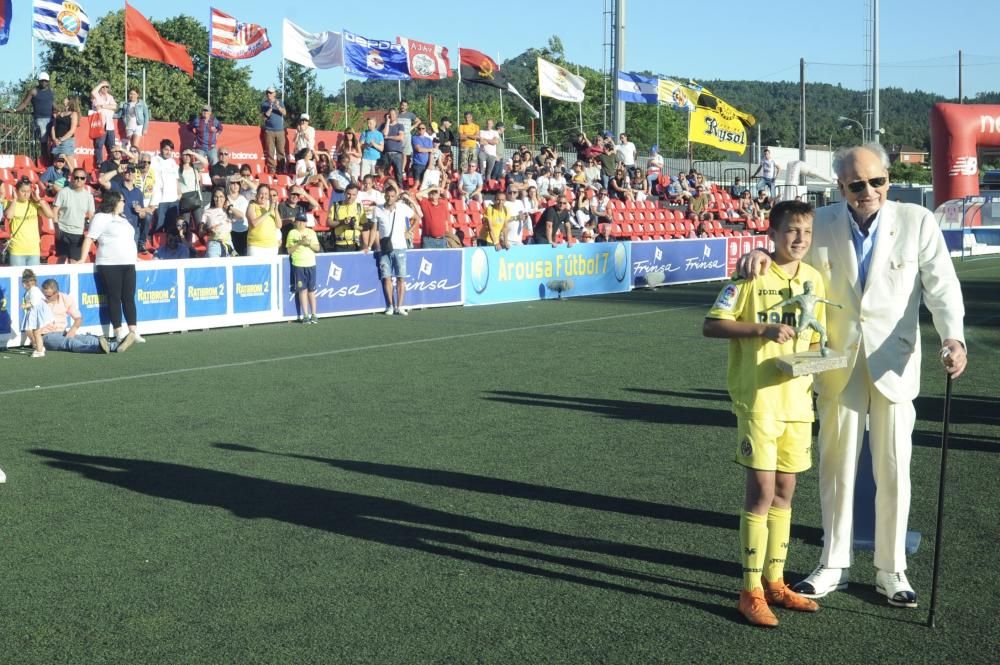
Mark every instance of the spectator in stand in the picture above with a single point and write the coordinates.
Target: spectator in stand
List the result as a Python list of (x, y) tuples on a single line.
[(114, 164), (737, 189), (305, 134), (73, 208), (395, 135), (323, 165), (698, 206), (264, 237), (145, 180), (618, 186), (533, 201), (216, 226), (557, 182), (471, 184), (639, 189), (408, 119), (222, 169), (392, 220), (62, 134), (432, 175), (609, 163), (368, 196), (770, 170), (372, 146), (349, 222), (134, 210), (446, 135), (189, 182), (306, 172), (447, 163), (543, 182), (115, 263), (248, 184), (435, 219), (298, 201), (134, 115), (60, 335), (654, 169), (748, 207), (700, 230), (592, 170), (468, 133), (173, 248), (20, 217), (763, 201), (554, 218), (56, 176), (273, 113), (348, 146), (488, 140), (516, 179), (502, 161), (42, 101), (519, 222), (493, 232), (166, 187), (626, 151), (339, 179), (422, 145), (236, 207), (206, 129), (102, 102), (582, 146), (302, 245), (599, 207)]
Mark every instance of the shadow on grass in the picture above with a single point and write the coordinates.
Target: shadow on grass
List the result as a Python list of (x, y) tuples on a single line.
[(971, 442), (964, 410), (709, 394), (667, 414), (391, 522), (515, 489)]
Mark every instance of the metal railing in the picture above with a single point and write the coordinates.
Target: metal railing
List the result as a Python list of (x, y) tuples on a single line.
[(17, 135)]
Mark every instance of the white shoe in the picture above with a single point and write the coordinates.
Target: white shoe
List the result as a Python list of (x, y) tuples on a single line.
[(139, 339), (3, 476), (822, 581), (402, 311), (896, 588), (388, 311), (38, 354)]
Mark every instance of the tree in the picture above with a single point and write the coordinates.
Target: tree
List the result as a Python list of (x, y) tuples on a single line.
[(321, 109)]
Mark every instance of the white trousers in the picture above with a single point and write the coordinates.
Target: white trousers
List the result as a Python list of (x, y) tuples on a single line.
[(842, 427)]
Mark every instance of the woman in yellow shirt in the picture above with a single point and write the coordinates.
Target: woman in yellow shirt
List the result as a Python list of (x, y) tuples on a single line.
[(495, 219), (20, 217), (264, 238)]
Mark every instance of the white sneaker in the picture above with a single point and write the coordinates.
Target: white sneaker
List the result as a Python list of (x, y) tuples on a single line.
[(402, 311), (3, 476), (822, 581), (896, 588), (38, 354), (388, 311), (139, 339)]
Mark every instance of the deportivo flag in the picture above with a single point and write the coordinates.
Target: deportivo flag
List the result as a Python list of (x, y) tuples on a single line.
[(636, 88), (427, 61), (235, 40), (476, 67), (316, 50), (556, 82), (375, 58), (60, 22), (5, 14), (143, 41)]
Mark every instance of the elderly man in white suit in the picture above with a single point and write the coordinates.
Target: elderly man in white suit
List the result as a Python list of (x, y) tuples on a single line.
[(879, 259)]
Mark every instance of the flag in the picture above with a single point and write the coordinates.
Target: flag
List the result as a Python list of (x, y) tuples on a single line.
[(712, 128), (5, 15), (709, 101), (316, 50), (673, 94), (143, 41), (476, 67), (235, 40), (636, 88), (556, 82), (60, 22), (375, 58), (426, 61)]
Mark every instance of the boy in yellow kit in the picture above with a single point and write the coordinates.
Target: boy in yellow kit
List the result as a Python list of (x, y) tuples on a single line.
[(773, 410)]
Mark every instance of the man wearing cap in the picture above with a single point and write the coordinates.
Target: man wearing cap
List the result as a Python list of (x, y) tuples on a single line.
[(222, 169), (206, 129), (135, 210), (102, 102), (55, 176), (74, 205), (112, 165), (273, 114), (42, 103), (305, 134)]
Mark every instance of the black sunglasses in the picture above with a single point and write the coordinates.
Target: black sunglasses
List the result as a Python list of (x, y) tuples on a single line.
[(79, 177), (858, 186)]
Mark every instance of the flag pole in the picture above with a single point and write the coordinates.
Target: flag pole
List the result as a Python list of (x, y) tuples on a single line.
[(126, 78), (657, 123), (399, 91), (144, 83), (458, 90), (580, 102), (345, 98), (501, 91), (208, 93), (282, 80), (541, 115), (307, 95)]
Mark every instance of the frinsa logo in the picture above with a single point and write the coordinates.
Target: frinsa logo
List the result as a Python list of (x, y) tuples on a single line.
[(430, 284), (964, 166), (657, 254), (334, 274)]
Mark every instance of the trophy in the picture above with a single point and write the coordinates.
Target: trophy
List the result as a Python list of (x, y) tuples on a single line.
[(809, 362)]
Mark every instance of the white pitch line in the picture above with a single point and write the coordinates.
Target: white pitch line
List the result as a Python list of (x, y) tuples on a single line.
[(331, 352)]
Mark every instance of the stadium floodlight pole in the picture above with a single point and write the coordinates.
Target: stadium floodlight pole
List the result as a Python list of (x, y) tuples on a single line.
[(619, 114), (940, 509), (876, 123)]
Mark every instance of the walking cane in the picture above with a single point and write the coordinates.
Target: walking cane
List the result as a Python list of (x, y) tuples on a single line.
[(940, 509)]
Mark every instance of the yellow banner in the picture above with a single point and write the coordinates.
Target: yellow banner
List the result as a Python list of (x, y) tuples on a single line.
[(673, 94), (715, 129)]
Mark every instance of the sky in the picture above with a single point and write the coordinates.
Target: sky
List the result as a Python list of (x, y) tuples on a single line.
[(920, 39)]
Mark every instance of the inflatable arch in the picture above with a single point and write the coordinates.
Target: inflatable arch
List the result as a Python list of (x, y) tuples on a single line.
[(957, 131)]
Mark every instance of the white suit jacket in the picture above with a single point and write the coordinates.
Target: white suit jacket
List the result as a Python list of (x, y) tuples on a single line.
[(910, 260)]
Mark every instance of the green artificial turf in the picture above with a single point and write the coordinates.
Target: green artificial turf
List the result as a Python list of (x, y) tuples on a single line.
[(545, 482)]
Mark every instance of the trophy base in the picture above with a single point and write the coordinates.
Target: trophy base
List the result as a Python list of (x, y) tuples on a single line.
[(810, 362)]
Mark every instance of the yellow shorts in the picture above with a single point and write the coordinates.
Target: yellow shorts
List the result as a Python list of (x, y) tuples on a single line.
[(766, 444)]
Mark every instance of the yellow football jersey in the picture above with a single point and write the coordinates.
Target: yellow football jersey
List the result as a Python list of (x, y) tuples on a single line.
[(756, 385)]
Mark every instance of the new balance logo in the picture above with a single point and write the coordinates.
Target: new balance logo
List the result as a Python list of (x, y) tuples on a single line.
[(425, 267), (964, 166), (334, 273)]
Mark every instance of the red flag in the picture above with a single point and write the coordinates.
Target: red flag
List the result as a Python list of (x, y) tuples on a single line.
[(143, 41), (477, 67), (427, 61)]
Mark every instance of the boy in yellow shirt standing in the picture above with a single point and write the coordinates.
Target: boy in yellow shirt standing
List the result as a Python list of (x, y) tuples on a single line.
[(773, 410), (302, 245)]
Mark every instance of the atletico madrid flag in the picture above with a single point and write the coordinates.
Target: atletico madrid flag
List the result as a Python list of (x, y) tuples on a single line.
[(143, 41), (478, 67)]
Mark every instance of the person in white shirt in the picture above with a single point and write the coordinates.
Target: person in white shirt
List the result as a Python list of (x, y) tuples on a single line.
[(305, 135), (392, 220), (368, 196), (488, 140), (626, 154), (166, 187), (518, 221), (770, 170)]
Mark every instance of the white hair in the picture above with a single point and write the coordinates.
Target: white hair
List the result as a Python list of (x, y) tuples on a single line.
[(844, 155)]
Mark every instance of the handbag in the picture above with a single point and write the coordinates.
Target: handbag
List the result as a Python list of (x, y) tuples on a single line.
[(96, 125), (385, 244), (190, 201)]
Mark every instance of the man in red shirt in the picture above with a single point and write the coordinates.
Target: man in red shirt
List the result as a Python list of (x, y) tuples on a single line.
[(436, 222)]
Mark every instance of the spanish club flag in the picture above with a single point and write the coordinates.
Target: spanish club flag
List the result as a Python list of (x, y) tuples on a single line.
[(556, 82), (143, 41)]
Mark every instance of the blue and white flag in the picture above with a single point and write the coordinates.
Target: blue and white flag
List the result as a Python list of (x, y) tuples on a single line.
[(636, 89), (60, 22), (375, 58)]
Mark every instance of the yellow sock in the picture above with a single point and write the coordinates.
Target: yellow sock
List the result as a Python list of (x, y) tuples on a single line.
[(753, 541), (779, 528)]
